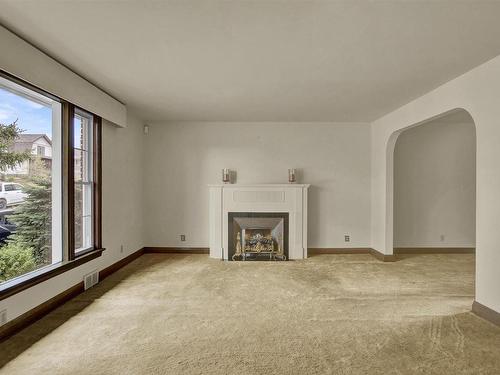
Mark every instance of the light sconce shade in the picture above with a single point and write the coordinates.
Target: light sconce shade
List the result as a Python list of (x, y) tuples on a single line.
[(226, 175)]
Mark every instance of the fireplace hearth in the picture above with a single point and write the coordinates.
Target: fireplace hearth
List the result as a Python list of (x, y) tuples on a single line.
[(257, 236)]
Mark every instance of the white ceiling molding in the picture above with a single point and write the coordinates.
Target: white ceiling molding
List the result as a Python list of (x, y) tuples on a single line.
[(26, 62)]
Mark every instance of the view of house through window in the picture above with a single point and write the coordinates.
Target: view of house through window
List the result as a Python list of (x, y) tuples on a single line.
[(30, 181)]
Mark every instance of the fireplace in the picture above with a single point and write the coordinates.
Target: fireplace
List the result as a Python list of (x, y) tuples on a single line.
[(257, 236), (287, 201)]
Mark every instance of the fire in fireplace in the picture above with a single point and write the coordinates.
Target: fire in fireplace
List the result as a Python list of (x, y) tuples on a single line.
[(258, 236)]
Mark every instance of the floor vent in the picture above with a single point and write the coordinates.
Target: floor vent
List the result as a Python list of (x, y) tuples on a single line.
[(3, 317), (90, 279)]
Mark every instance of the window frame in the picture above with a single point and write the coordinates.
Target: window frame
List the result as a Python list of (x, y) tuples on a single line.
[(86, 180), (40, 151), (95, 182), (70, 258)]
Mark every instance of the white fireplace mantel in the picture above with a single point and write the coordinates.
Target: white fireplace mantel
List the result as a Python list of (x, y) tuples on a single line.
[(287, 198)]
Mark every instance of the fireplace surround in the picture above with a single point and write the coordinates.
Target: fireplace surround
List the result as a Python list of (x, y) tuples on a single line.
[(249, 199)]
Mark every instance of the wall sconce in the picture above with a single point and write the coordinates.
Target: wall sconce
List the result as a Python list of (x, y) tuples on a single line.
[(292, 178), (226, 176)]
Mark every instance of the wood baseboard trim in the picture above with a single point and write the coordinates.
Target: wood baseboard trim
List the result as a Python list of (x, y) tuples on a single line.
[(177, 250), (434, 250), (352, 250), (121, 263), (17, 324), (383, 257), (31, 316), (337, 250), (486, 313)]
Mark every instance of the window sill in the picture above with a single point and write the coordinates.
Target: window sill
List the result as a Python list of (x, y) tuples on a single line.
[(83, 251), (31, 279)]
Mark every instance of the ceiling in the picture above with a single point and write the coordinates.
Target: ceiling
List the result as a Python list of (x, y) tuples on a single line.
[(262, 60)]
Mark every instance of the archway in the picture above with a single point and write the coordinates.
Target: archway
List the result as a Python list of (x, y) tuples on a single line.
[(390, 149), (434, 186), (432, 205)]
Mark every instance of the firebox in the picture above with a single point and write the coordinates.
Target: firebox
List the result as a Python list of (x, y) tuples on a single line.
[(257, 236)]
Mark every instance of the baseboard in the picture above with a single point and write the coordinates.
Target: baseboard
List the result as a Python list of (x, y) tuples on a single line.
[(351, 250), (31, 316), (338, 250), (486, 313), (383, 257), (434, 250), (121, 263), (183, 250)]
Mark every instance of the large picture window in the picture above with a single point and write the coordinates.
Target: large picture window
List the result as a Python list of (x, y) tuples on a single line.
[(49, 185), (30, 182)]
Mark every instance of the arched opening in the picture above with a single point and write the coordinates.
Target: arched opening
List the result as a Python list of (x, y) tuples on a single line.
[(433, 202)]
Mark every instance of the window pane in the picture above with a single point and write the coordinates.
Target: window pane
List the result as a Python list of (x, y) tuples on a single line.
[(31, 198), (83, 180), (81, 165), (83, 216)]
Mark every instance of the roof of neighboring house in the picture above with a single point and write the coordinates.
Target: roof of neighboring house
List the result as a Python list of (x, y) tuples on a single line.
[(25, 141), (30, 138)]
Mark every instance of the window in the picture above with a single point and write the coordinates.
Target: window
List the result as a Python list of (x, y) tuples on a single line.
[(83, 180), (13, 187), (50, 207), (84, 132), (32, 200)]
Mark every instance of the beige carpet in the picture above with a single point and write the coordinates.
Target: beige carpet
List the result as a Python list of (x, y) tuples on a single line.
[(340, 314)]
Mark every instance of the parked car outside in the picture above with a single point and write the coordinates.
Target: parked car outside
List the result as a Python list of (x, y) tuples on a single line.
[(6, 228), (11, 193)]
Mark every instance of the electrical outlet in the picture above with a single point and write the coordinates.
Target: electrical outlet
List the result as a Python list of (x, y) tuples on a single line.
[(441, 238), (183, 237), (347, 238), (121, 248), (3, 317)]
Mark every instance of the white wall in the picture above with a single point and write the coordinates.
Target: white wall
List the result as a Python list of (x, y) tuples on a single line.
[(477, 92), (181, 159), (435, 185), (122, 214)]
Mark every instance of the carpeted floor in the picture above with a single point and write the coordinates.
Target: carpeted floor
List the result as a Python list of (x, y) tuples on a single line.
[(330, 314)]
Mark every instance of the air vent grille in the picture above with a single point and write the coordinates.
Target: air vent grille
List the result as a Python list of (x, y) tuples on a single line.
[(91, 279)]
